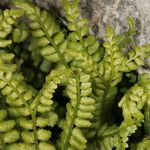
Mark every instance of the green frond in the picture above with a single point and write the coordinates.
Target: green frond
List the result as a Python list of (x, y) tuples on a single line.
[(136, 58), (128, 41), (79, 37), (115, 61), (79, 112), (131, 24), (20, 33), (48, 36), (7, 19), (107, 136), (144, 144), (134, 101), (12, 86), (43, 100), (26, 146), (114, 137), (7, 132), (82, 61), (72, 13)]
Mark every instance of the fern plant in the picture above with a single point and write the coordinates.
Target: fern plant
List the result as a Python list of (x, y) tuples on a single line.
[(60, 87)]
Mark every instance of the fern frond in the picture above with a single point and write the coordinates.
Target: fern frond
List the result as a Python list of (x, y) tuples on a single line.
[(136, 58), (111, 70), (43, 104), (114, 137), (79, 38), (83, 61), (20, 33), (17, 93), (49, 37), (79, 112), (26, 146), (8, 133), (7, 19), (144, 144), (107, 136), (10, 76), (135, 100), (128, 41), (73, 14), (132, 104), (43, 100), (115, 61)]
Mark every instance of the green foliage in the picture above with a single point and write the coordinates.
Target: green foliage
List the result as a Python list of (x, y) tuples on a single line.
[(7, 19), (75, 106), (144, 144), (20, 33)]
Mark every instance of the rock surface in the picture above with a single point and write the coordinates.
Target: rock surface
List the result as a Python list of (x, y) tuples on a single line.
[(102, 12)]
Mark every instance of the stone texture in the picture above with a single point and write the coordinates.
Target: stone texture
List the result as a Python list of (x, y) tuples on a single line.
[(102, 12)]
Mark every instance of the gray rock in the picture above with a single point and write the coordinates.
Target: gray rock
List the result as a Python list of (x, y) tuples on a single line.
[(115, 12), (102, 12)]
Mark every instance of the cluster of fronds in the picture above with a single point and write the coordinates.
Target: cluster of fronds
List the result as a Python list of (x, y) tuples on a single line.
[(59, 87)]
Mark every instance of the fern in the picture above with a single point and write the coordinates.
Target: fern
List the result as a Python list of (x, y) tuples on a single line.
[(132, 104), (74, 107), (111, 69)]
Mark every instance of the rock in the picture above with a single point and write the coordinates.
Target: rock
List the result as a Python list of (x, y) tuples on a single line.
[(102, 12)]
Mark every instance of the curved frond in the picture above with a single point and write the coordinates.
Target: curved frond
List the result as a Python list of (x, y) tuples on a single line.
[(135, 100)]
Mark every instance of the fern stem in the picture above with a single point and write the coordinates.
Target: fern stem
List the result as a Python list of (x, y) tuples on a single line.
[(80, 38), (37, 99), (147, 120), (101, 104), (34, 130), (112, 66), (2, 144)]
